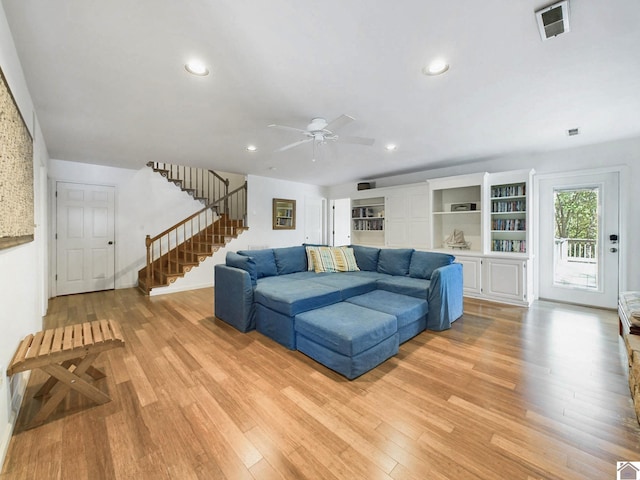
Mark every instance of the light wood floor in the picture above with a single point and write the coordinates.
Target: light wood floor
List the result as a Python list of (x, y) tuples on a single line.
[(507, 393)]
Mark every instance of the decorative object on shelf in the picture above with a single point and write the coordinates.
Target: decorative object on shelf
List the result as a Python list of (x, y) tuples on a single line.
[(16, 173), (463, 207), (456, 240), (284, 214)]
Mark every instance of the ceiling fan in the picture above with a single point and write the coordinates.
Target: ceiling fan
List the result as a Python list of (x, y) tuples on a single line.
[(319, 132)]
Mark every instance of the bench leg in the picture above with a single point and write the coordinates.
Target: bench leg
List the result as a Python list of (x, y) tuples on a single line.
[(68, 380), (93, 372)]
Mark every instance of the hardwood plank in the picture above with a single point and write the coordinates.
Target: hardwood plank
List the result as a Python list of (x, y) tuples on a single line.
[(507, 392)]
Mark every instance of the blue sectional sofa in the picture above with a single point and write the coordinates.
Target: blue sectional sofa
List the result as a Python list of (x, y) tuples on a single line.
[(350, 321)]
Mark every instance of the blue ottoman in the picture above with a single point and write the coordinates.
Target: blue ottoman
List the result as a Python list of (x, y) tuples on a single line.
[(411, 312), (347, 338)]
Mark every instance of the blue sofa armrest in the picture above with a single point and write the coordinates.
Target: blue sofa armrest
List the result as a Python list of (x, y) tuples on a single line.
[(233, 298), (445, 297)]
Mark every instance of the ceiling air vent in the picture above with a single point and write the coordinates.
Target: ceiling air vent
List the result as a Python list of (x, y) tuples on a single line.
[(553, 20)]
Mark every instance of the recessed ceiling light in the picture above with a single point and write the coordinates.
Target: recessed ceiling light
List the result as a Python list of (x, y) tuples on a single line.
[(436, 67), (196, 67), (391, 147), (252, 148)]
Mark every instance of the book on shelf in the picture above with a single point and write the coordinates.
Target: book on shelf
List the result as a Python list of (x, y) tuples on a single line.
[(518, 190)]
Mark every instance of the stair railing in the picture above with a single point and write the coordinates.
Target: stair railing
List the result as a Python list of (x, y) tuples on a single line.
[(182, 242), (167, 249), (203, 184), (234, 204)]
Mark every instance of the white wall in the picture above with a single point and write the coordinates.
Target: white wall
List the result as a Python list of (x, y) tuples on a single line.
[(261, 192), (23, 268), (610, 154), (147, 204)]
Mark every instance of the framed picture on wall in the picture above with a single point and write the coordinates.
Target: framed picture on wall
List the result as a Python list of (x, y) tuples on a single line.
[(284, 214)]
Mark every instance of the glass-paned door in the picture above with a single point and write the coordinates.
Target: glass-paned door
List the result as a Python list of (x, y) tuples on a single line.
[(578, 239)]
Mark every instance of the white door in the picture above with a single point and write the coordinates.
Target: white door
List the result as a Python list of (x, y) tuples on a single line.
[(84, 238), (341, 220), (578, 243), (312, 220)]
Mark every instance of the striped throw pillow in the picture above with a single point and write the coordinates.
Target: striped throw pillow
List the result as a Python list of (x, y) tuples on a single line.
[(334, 259)]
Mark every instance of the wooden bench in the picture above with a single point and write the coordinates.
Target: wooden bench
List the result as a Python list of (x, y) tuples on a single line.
[(66, 355)]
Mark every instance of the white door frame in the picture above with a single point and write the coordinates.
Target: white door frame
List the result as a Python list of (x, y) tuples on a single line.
[(623, 228)]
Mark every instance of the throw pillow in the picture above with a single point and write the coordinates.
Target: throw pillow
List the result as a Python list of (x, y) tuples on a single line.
[(333, 259)]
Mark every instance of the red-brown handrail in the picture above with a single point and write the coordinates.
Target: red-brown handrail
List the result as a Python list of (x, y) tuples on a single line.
[(194, 236)]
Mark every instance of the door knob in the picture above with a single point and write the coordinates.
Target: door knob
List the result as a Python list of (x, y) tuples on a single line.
[(613, 249), (110, 242)]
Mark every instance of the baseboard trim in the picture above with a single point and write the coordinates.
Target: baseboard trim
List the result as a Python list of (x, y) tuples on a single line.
[(19, 387)]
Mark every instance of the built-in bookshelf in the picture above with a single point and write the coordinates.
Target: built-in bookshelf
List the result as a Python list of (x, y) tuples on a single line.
[(367, 221), (508, 218), (456, 213)]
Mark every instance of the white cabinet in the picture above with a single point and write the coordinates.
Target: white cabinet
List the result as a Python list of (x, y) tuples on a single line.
[(492, 210), (407, 217), (507, 280), (471, 275)]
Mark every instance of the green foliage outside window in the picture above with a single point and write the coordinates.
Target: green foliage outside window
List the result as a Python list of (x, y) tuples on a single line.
[(576, 213)]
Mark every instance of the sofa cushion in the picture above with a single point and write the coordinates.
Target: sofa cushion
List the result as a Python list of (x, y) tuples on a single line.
[(415, 287), (245, 263), (424, 263), (347, 365), (333, 259), (348, 285), (406, 309), (395, 261), (290, 259), (293, 297), (265, 261), (346, 328), (366, 257)]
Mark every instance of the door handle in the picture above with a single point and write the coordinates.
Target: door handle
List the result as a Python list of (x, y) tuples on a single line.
[(613, 249), (110, 242)]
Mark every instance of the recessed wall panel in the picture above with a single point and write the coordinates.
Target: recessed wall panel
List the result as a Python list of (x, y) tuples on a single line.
[(74, 265)]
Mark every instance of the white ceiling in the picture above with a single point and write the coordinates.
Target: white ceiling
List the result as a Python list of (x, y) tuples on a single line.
[(109, 84)]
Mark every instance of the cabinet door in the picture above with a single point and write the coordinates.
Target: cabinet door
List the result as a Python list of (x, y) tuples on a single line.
[(471, 274), (505, 279), (418, 232), (397, 218), (407, 217)]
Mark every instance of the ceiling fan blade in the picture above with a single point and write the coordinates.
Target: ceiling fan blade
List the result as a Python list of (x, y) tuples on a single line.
[(339, 122), (295, 144), (284, 127), (357, 140)]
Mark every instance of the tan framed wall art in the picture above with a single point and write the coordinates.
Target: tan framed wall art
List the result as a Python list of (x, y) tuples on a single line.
[(16, 172)]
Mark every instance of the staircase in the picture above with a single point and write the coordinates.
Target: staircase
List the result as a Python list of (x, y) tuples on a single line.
[(174, 252), (203, 185)]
